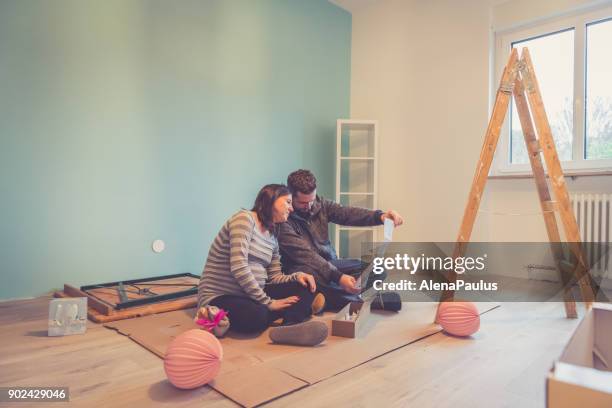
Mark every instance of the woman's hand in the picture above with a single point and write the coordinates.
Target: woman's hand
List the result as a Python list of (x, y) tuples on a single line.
[(307, 281), (280, 304)]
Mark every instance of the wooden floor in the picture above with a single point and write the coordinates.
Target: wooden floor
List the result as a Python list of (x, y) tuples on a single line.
[(503, 365)]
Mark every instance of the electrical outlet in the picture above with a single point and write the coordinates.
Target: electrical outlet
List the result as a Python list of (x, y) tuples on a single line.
[(158, 246)]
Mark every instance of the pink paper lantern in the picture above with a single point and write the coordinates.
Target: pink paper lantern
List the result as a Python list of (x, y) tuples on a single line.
[(193, 359), (459, 318)]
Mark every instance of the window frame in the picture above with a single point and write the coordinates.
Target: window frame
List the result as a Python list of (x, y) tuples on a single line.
[(503, 43)]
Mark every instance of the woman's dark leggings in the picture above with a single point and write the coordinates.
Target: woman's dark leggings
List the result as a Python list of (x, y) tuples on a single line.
[(248, 316)]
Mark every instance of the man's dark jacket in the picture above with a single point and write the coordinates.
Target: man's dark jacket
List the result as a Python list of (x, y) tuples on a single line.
[(304, 241)]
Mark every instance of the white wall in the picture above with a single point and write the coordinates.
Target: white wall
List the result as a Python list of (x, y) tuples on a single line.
[(422, 69)]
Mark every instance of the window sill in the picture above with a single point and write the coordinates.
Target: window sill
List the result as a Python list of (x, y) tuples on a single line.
[(571, 173)]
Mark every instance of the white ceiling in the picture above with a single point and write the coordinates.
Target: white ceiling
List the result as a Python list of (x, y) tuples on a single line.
[(353, 5)]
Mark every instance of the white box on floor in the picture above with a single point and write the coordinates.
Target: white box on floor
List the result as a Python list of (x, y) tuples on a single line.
[(350, 321), (582, 376), (67, 316)]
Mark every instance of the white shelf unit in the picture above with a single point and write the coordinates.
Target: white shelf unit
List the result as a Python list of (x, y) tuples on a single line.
[(356, 179)]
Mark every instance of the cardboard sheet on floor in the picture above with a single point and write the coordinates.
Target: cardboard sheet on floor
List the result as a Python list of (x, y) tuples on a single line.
[(384, 332), (256, 385), (272, 370)]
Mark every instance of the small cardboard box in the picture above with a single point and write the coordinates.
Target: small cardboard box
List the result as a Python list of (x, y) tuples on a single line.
[(582, 377), (350, 320)]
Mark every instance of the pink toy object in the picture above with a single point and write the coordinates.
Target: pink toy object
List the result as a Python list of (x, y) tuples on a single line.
[(459, 318), (193, 359), (213, 319)]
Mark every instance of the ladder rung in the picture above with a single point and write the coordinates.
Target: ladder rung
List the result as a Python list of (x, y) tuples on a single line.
[(550, 205)]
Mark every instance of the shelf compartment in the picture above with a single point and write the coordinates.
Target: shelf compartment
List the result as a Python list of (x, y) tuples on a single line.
[(357, 176), (357, 139), (363, 200)]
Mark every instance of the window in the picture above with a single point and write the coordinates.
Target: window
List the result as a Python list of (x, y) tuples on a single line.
[(572, 59), (598, 92)]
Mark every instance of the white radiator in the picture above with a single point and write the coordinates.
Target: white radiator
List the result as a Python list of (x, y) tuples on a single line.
[(593, 214)]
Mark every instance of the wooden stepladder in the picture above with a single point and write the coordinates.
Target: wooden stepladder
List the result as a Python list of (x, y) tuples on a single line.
[(519, 79)]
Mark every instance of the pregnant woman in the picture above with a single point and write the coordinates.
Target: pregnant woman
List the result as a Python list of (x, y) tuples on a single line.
[(243, 274)]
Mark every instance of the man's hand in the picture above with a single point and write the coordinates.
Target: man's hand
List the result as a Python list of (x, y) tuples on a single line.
[(307, 281), (348, 283), (393, 216), (280, 304)]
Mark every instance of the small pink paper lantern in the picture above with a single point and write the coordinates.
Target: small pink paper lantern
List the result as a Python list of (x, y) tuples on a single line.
[(193, 359), (459, 318)]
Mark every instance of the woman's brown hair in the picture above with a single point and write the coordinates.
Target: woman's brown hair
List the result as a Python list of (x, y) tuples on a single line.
[(264, 204)]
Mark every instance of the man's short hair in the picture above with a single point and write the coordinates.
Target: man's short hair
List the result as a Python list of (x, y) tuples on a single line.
[(303, 181)]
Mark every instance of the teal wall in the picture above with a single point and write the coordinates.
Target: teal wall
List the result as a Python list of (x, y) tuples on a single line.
[(125, 121)]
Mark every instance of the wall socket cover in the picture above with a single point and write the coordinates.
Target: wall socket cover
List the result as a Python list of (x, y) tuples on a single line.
[(158, 246)]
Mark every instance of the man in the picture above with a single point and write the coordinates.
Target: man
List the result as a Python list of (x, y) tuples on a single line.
[(304, 239)]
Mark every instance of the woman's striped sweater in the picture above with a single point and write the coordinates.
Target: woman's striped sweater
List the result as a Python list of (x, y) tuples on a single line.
[(241, 260)]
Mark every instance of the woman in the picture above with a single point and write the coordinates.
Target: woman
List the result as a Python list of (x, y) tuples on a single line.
[(243, 274)]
